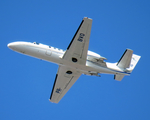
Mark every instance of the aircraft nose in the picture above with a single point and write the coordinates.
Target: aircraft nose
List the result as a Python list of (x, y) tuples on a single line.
[(17, 46), (11, 45)]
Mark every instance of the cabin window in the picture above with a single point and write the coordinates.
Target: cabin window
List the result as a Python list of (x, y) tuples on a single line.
[(36, 43)]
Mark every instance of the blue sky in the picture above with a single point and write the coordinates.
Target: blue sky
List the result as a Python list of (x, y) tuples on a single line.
[(26, 82)]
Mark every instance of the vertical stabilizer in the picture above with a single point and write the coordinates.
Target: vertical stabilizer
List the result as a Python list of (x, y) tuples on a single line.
[(125, 60), (134, 61)]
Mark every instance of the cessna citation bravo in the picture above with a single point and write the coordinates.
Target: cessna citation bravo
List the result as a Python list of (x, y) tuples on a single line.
[(76, 60)]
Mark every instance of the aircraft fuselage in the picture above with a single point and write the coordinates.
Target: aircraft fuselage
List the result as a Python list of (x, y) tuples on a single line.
[(55, 55)]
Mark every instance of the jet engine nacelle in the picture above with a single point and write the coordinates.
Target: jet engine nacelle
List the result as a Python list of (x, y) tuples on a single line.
[(92, 56)]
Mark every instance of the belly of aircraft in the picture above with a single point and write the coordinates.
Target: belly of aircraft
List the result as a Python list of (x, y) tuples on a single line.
[(51, 56)]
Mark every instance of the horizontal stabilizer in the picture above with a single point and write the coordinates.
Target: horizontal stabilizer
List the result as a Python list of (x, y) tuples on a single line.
[(118, 77), (125, 60)]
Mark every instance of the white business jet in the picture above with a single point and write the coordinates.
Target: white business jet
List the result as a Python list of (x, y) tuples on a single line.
[(76, 60)]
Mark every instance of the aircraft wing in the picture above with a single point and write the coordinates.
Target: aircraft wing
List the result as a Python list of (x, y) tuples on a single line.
[(78, 47), (65, 78), (76, 53)]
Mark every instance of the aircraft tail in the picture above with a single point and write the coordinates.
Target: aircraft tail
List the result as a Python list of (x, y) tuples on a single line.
[(134, 60), (127, 62), (118, 77)]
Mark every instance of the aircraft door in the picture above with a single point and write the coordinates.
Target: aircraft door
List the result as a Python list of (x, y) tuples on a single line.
[(48, 52)]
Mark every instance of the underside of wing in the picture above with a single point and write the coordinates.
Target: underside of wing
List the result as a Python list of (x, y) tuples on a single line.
[(75, 53), (65, 78), (78, 47)]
